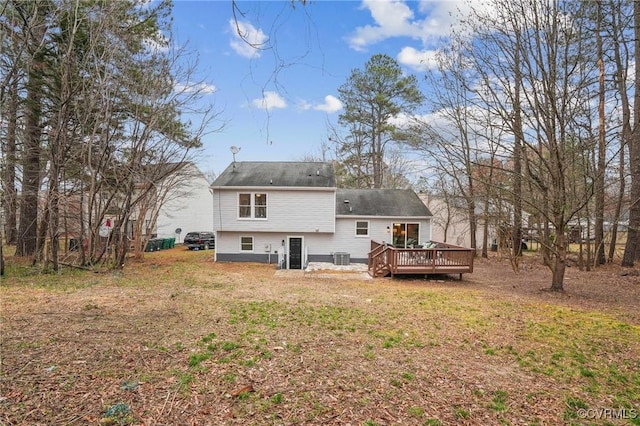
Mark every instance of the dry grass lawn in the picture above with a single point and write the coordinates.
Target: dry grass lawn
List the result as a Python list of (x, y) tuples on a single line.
[(181, 340)]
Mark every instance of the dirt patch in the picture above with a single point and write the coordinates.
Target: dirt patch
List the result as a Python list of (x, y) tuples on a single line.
[(180, 339)]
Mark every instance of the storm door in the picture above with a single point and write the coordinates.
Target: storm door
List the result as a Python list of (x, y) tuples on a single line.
[(295, 253)]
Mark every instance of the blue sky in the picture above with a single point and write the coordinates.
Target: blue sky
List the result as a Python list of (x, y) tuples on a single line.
[(277, 101)]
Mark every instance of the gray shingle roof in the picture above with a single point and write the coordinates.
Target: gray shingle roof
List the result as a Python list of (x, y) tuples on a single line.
[(380, 202), (277, 173)]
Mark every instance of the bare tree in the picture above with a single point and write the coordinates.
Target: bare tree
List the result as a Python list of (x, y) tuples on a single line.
[(108, 100), (452, 146), (524, 65)]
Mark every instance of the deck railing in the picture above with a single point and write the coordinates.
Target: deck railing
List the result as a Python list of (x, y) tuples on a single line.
[(442, 259), (378, 259)]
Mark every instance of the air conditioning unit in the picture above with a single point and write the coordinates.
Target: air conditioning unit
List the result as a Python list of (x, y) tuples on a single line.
[(341, 258)]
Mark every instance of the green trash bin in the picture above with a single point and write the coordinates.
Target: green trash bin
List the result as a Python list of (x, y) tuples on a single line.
[(172, 242), (153, 244), (166, 244)]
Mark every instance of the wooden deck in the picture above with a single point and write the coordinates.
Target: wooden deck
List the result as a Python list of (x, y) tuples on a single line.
[(386, 260)]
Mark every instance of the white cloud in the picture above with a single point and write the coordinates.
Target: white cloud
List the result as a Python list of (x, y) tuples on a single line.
[(247, 40), (419, 60), (394, 18), (331, 104), (203, 88), (441, 16), (270, 100)]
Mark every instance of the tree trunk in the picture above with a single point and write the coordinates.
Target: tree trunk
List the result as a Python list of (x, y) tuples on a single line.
[(473, 224), (27, 231), (600, 170), (625, 135), (631, 251), (485, 230), (517, 156), (633, 233), (618, 210), (1, 257), (377, 156), (9, 171), (557, 280), (53, 203)]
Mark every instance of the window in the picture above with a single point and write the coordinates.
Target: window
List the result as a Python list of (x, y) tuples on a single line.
[(244, 205), (406, 234), (362, 228), (246, 243), (260, 206), (252, 206)]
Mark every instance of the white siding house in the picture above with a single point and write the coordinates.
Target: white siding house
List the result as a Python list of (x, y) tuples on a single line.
[(292, 213), (188, 207), (450, 223)]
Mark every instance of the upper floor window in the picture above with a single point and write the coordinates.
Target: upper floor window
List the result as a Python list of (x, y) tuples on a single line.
[(362, 228), (252, 206), (260, 206)]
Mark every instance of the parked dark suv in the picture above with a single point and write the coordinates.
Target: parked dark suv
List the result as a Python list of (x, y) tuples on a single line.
[(200, 240)]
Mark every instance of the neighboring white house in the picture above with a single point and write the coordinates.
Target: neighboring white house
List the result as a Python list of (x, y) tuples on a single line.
[(291, 213), (450, 224), (188, 206)]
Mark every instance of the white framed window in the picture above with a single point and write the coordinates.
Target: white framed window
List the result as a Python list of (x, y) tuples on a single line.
[(246, 243), (362, 228), (260, 206), (244, 205), (252, 205)]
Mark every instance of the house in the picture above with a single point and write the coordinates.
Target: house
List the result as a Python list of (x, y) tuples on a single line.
[(166, 197), (450, 222), (292, 213), (187, 205)]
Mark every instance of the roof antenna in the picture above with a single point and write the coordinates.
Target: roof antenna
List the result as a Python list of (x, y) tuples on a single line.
[(234, 150)]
